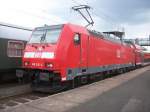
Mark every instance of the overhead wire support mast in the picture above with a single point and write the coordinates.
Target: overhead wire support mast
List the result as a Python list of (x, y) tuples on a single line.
[(86, 7)]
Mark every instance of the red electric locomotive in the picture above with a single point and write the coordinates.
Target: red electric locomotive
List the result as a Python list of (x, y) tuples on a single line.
[(58, 54)]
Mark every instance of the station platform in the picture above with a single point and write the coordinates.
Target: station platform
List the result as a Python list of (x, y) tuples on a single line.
[(129, 92)]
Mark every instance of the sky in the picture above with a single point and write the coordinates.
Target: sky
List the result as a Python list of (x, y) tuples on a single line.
[(131, 16)]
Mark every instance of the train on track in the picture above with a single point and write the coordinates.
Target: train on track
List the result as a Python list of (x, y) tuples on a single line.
[(59, 55), (12, 43)]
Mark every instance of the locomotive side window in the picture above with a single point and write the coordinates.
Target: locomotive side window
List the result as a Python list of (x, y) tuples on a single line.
[(15, 49), (77, 39)]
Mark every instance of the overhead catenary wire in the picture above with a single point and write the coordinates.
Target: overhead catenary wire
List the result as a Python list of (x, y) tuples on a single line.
[(85, 2), (101, 14), (74, 1)]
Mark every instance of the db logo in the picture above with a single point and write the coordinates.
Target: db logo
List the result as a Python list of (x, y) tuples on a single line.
[(37, 54), (40, 49)]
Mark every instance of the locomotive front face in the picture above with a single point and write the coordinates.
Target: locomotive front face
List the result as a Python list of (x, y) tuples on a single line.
[(40, 50)]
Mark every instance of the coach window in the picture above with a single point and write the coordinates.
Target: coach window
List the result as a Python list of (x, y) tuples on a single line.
[(77, 38), (15, 48)]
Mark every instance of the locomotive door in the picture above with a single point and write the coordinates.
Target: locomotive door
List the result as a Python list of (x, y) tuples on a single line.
[(83, 53), (81, 43)]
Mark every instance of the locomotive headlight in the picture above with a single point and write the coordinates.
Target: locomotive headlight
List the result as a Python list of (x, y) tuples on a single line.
[(29, 54), (49, 65), (26, 63)]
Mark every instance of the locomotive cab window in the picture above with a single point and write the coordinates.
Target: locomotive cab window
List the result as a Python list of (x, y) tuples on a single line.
[(15, 49), (77, 39), (46, 34)]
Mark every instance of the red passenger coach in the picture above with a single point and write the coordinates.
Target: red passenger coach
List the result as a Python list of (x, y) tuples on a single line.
[(139, 55), (58, 54), (146, 56)]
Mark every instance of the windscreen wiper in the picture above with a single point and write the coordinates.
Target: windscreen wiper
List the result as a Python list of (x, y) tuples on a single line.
[(43, 37)]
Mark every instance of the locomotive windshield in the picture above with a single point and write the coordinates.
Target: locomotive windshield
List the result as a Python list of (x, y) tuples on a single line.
[(46, 34)]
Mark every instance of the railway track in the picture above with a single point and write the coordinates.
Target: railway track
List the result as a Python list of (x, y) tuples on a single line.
[(9, 102), (26, 97)]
